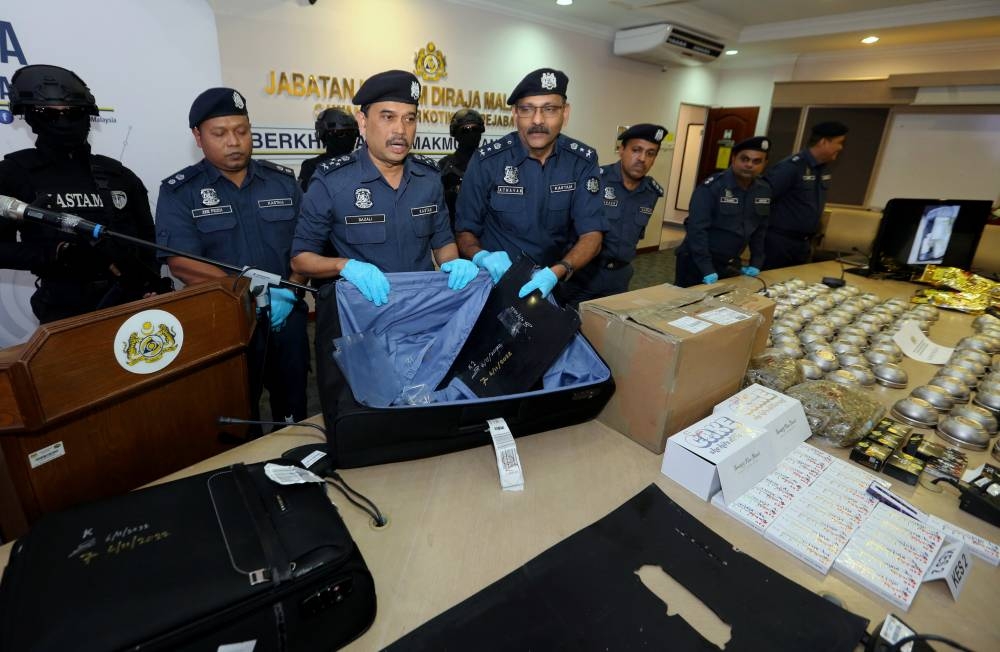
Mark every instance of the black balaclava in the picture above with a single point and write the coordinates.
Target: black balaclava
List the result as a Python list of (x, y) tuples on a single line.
[(61, 131), (468, 140), (340, 141)]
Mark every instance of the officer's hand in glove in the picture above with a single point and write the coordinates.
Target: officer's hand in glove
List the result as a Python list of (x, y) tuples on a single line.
[(282, 302), (460, 272), (543, 280), (750, 270), (711, 278), (369, 279), (494, 262)]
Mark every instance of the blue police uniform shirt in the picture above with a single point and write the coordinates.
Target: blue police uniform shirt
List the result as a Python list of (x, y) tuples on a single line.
[(627, 211), (798, 187), (513, 203), (350, 204), (200, 211), (723, 218)]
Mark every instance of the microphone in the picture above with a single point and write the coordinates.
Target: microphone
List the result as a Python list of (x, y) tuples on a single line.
[(16, 209)]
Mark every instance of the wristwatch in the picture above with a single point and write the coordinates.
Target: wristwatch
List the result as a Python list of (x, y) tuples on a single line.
[(569, 268)]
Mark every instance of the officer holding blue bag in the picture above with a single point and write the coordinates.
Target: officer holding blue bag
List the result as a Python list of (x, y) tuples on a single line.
[(241, 211), (381, 207)]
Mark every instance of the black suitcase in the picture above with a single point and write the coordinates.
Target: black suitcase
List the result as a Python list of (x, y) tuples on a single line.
[(226, 558), (359, 435)]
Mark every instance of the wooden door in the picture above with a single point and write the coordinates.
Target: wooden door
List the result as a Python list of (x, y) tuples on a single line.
[(724, 128)]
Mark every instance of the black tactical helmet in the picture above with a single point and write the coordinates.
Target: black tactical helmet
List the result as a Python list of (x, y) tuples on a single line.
[(465, 117), (42, 85), (334, 120)]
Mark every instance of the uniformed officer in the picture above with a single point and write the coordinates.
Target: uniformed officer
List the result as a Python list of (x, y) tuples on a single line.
[(381, 207), (533, 191), (466, 127), (629, 196), (798, 186), (241, 211), (75, 275), (338, 132), (728, 211)]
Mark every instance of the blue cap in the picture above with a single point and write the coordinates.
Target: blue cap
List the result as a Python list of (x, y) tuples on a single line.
[(645, 131), (829, 129), (389, 86), (757, 143), (216, 102), (544, 81)]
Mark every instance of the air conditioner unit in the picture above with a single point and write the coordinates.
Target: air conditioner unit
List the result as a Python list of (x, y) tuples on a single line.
[(667, 44)]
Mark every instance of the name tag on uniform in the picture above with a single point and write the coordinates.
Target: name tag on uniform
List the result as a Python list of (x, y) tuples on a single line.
[(808, 177), (826, 177), (365, 219), (611, 202), (762, 200), (510, 190), (215, 210), (563, 187), (646, 210), (271, 203), (729, 200), (424, 210)]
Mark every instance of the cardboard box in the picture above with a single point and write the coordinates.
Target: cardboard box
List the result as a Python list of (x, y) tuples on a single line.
[(674, 354), (747, 300)]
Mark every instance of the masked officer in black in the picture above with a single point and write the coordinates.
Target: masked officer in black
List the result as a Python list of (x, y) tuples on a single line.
[(467, 127), (728, 211), (75, 275), (338, 132)]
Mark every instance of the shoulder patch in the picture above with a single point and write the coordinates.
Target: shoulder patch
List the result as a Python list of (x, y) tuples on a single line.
[(657, 188), (178, 179), (277, 168), (582, 150), (326, 167), (425, 160), (499, 145), (711, 178)]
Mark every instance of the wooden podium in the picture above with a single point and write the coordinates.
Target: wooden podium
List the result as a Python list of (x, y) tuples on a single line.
[(77, 425)]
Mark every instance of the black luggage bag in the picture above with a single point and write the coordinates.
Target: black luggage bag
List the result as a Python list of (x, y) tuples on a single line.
[(226, 560), (575, 389)]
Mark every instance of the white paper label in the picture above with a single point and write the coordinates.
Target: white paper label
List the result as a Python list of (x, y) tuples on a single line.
[(47, 454), (724, 316), (290, 474), (508, 462), (312, 458), (245, 646), (952, 565), (915, 344), (690, 324)]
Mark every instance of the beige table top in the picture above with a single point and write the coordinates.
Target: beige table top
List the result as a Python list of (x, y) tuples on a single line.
[(452, 531)]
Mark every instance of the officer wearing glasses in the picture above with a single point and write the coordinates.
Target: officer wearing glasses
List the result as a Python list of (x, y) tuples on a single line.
[(533, 191), (75, 275)]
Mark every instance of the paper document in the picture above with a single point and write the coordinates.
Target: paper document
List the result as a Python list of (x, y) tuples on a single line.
[(916, 345)]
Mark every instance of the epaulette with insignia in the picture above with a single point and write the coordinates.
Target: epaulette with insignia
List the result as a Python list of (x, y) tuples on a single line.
[(712, 177), (583, 151), (796, 158), (425, 160), (656, 186), (178, 179), (277, 168), (498, 145), (326, 167)]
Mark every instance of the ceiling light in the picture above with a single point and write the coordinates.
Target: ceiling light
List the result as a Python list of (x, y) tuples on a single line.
[(868, 40), (564, 3), (731, 52)]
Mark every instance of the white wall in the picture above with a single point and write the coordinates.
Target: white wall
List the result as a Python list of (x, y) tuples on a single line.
[(143, 59)]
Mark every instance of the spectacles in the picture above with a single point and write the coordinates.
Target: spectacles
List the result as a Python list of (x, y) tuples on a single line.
[(528, 110)]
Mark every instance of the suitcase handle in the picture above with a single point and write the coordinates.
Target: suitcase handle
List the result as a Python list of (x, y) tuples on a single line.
[(274, 553)]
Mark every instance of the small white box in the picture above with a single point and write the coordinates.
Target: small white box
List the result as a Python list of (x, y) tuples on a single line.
[(716, 453), (781, 416)]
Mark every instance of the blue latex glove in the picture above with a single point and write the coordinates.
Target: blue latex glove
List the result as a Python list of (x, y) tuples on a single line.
[(711, 278), (460, 272), (494, 262), (282, 302), (543, 280), (369, 279), (750, 270)]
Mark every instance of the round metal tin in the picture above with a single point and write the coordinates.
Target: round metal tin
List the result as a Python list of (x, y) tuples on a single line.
[(963, 432), (915, 411)]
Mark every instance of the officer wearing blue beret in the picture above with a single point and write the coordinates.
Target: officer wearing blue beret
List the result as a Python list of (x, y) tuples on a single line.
[(533, 191), (798, 186), (728, 211), (382, 207), (629, 196), (241, 211)]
